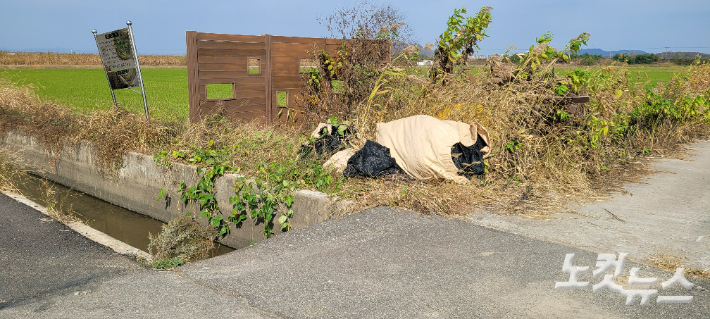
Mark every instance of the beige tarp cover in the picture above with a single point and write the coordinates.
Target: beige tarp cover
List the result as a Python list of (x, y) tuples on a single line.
[(421, 145)]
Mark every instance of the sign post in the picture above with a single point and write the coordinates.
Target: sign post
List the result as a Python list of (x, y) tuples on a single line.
[(120, 60)]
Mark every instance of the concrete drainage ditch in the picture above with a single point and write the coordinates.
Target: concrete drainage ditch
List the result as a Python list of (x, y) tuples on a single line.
[(117, 222), (136, 185)]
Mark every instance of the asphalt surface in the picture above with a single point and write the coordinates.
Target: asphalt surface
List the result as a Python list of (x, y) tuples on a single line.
[(667, 213), (40, 256), (378, 263)]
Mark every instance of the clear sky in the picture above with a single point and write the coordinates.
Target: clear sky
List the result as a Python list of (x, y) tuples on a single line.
[(159, 26)]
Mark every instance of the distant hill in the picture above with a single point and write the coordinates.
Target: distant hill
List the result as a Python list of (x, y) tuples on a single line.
[(608, 53)]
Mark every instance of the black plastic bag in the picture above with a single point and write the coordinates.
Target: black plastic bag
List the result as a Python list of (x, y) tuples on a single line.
[(327, 143), (469, 160), (373, 160)]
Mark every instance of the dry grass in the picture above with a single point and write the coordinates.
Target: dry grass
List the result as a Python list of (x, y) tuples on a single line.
[(671, 263), (56, 206), (549, 163), (113, 133), (182, 237), (9, 171), (76, 59), (539, 163)]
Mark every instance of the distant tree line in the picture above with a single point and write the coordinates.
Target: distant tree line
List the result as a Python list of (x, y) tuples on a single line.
[(648, 58), (684, 60), (587, 59)]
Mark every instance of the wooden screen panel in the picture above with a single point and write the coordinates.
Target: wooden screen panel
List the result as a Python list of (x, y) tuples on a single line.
[(223, 59)]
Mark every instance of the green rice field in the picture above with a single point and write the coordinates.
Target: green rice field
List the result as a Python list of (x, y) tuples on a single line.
[(87, 89)]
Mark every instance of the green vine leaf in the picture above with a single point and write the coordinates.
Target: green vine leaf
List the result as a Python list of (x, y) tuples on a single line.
[(162, 193)]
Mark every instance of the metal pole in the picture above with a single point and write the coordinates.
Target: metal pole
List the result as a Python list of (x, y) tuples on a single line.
[(138, 66), (113, 95)]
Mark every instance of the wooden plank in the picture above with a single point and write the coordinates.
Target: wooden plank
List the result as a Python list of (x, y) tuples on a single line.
[(239, 94), (231, 52), (295, 64), (268, 105), (293, 59), (240, 67), (222, 59), (238, 81), (287, 78), (248, 87), (229, 45), (192, 75), (250, 94), (278, 47), (227, 75), (229, 37), (578, 99), (291, 70), (279, 39), (244, 112), (250, 103), (246, 115), (293, 54), (335, 47), (289, 86)]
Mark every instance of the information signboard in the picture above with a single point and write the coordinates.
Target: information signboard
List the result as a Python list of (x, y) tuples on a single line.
[(119, 57), (116, 50)]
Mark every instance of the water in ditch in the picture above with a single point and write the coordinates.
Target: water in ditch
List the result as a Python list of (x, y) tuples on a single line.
[(122, 224)]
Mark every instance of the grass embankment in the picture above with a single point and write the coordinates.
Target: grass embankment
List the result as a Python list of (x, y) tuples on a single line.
[(542, 150), (79, 59), (86, 89)]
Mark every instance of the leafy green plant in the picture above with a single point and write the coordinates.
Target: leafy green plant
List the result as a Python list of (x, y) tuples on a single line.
[(270, 194), (266, 197), (340, 128), (513, 146), (561, 115), (459, 39), (543, 52), (211, 165)]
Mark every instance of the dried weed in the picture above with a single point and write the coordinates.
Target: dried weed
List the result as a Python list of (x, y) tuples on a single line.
[(182, 237), (671, 263), (54, 58)]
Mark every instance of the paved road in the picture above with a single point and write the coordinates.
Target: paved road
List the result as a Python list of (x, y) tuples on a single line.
[(45, 265), (667, 213), (40, 256), (378, 263)]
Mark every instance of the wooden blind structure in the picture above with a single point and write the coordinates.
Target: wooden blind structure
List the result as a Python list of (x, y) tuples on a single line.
[(259, 68)]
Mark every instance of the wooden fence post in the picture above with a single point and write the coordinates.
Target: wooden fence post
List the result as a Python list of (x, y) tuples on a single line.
[(192, 76), (267, 80)]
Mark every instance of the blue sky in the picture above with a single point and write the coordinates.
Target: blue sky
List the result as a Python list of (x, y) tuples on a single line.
[(159, 26)]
